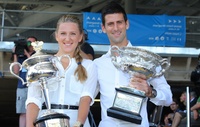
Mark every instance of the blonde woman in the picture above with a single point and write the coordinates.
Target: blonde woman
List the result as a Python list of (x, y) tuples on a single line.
[(77, 86)]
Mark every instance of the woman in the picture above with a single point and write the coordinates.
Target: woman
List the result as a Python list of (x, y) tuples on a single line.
[(170, 116), (78, 83)]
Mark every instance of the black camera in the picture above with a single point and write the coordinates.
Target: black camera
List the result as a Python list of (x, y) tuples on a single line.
[(20, 45), (195, 75)]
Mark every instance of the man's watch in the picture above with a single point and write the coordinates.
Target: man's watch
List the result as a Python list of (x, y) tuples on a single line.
[(78, 124), (154, 93)]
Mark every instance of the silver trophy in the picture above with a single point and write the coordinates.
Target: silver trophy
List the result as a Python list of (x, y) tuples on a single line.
[(41, 67), (128, 101)]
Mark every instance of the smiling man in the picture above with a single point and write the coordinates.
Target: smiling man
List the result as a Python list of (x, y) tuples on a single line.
[(115, 25)]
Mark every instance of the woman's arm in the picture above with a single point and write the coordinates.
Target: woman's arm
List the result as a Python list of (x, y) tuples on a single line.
[(31, 114), (84, 107)]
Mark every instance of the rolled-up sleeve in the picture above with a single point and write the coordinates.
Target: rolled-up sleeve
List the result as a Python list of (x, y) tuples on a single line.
[(34, 94), (91, 83), (164, 94)]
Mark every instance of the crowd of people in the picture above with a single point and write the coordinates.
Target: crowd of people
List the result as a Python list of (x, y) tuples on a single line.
[(84, 76), (178, 116)]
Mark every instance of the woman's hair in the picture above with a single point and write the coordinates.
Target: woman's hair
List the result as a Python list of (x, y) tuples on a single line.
[(175, 100), (80, 71)]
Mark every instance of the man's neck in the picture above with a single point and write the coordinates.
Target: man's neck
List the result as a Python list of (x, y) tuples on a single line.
[(123, 44)]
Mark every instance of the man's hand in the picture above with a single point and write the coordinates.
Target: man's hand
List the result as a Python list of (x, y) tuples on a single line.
[(26, 53), (139, 82), (196, 114)]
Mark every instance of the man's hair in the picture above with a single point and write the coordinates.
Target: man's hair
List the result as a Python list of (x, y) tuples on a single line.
[(193, 94), (111, 8), (32, 37)]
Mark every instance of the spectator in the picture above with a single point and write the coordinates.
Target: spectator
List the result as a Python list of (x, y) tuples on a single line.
[(21, 93), (195, 111), (174, 108), (182, 114), (88, 50)]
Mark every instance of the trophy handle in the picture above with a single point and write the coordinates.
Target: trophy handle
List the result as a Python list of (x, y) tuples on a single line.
[(115, 53), (165, 66), (69, 60), (11, 71), (55, 60)]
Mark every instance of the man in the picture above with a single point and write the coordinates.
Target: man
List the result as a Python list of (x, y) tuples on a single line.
[(182, 114), (21, 94), (87, 51), (115, 24), (195, 109)]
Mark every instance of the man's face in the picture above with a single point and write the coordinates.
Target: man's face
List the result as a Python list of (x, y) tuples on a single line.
[(115, 27), (31, 47), (174, 106)]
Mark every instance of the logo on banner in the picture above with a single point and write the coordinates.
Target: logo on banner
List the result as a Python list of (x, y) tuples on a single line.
[(92, 23)]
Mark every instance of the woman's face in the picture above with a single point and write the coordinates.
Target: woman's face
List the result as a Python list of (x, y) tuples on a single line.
[(183, 97), (68, 36)]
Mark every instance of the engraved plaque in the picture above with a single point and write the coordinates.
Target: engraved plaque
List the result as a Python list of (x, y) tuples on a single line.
[(128, 102), (127, 105)]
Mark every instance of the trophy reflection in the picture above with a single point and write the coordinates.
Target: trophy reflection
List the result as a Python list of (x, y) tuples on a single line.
[(128, 101), (41, 67)]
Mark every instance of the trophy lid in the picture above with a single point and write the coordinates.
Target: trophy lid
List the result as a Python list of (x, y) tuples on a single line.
[(134, 51), (38, 56), (37, 46)]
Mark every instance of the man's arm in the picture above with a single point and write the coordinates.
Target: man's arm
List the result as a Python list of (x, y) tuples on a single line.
[(195, 107)]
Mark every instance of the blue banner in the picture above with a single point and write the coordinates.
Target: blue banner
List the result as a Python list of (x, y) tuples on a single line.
[(144, 30)]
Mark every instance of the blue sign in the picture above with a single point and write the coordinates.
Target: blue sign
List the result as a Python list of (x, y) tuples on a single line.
[(144, 30)]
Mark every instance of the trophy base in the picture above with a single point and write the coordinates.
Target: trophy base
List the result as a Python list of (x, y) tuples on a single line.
[(52, 120), (124, 115)]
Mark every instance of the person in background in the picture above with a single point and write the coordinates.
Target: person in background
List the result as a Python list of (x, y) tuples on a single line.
[(195, 114), (178, 116), (195, 108), (21, 93), (77, 86), (174, 108), (115, 24), (87, 51)]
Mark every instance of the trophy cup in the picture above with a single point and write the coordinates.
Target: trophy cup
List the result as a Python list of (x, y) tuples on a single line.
[(40, 67), (128, 101)]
